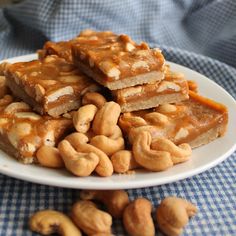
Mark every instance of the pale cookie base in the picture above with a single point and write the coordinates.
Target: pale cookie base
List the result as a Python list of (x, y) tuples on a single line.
[(63, 108), (54, 112), (12, 151), (147, 78), (141, 104), (208, 136)]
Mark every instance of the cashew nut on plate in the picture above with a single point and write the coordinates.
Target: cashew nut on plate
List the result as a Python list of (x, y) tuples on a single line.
[(78, 163), (50, 157), (173, 214), (156, 118), (106, 118), (114, 200), (137, 218), (123, 161), (133, 132), (180, 153), (126, 119), (110, 144), (94, 98), (90, 219), (48, 222), (79, 142), (146, 157), (83, 117)]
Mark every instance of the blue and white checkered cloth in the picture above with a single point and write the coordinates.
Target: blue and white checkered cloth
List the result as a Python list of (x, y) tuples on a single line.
[(206, 27)]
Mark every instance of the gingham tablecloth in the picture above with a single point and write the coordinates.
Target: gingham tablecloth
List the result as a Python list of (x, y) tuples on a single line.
[(214, 191)]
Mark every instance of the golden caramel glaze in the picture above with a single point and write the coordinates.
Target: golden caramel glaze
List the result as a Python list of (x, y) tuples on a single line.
[(181, 123), (48, 83), (115, 57), (208, 102), (193, 86), (61, 49), (25, 131)]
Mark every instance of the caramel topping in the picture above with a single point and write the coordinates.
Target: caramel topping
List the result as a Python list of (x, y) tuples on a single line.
[(116, 56), (47, 79), (181, 122), (61, 49), (208, 102), (192, 86), (26, 130)]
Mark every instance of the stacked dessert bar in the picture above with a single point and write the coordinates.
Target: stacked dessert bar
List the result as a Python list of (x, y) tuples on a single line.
[(35, 111), (135, 74), (44, 93)]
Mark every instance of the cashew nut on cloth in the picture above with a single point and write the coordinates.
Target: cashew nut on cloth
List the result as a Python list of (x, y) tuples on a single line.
[(106, 118), (173, 214), (90, 219), (148, 158), (79, 142), (78, 163), (47, 222), (94, 98), (114, 200), (123, 161), (83, 117), (137, 218)]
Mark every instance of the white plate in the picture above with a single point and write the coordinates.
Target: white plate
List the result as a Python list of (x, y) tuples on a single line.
[(203, 158)]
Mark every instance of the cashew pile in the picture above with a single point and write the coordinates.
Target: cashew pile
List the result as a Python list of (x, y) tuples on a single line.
[(98, 146), (172, 215)]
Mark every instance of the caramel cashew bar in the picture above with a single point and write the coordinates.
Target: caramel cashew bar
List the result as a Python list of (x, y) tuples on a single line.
[(22, 131), (196, 121), (51, 86), (174, 88), (61, 49), (116, 61)]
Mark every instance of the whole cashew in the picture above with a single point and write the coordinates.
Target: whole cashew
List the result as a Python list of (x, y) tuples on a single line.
[(48, 222), (150, 159), (83, 117), (114, 200), (90, 219), (117, 133), (178, 153), (137, 218), (127, 119), (106, 118), (108, 145), (80, 164), (50, 157), (173, 214), (156, 118), (94, 98), (133, 132), (79, 142), (123, 161), (16, 107), (166, 108)]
